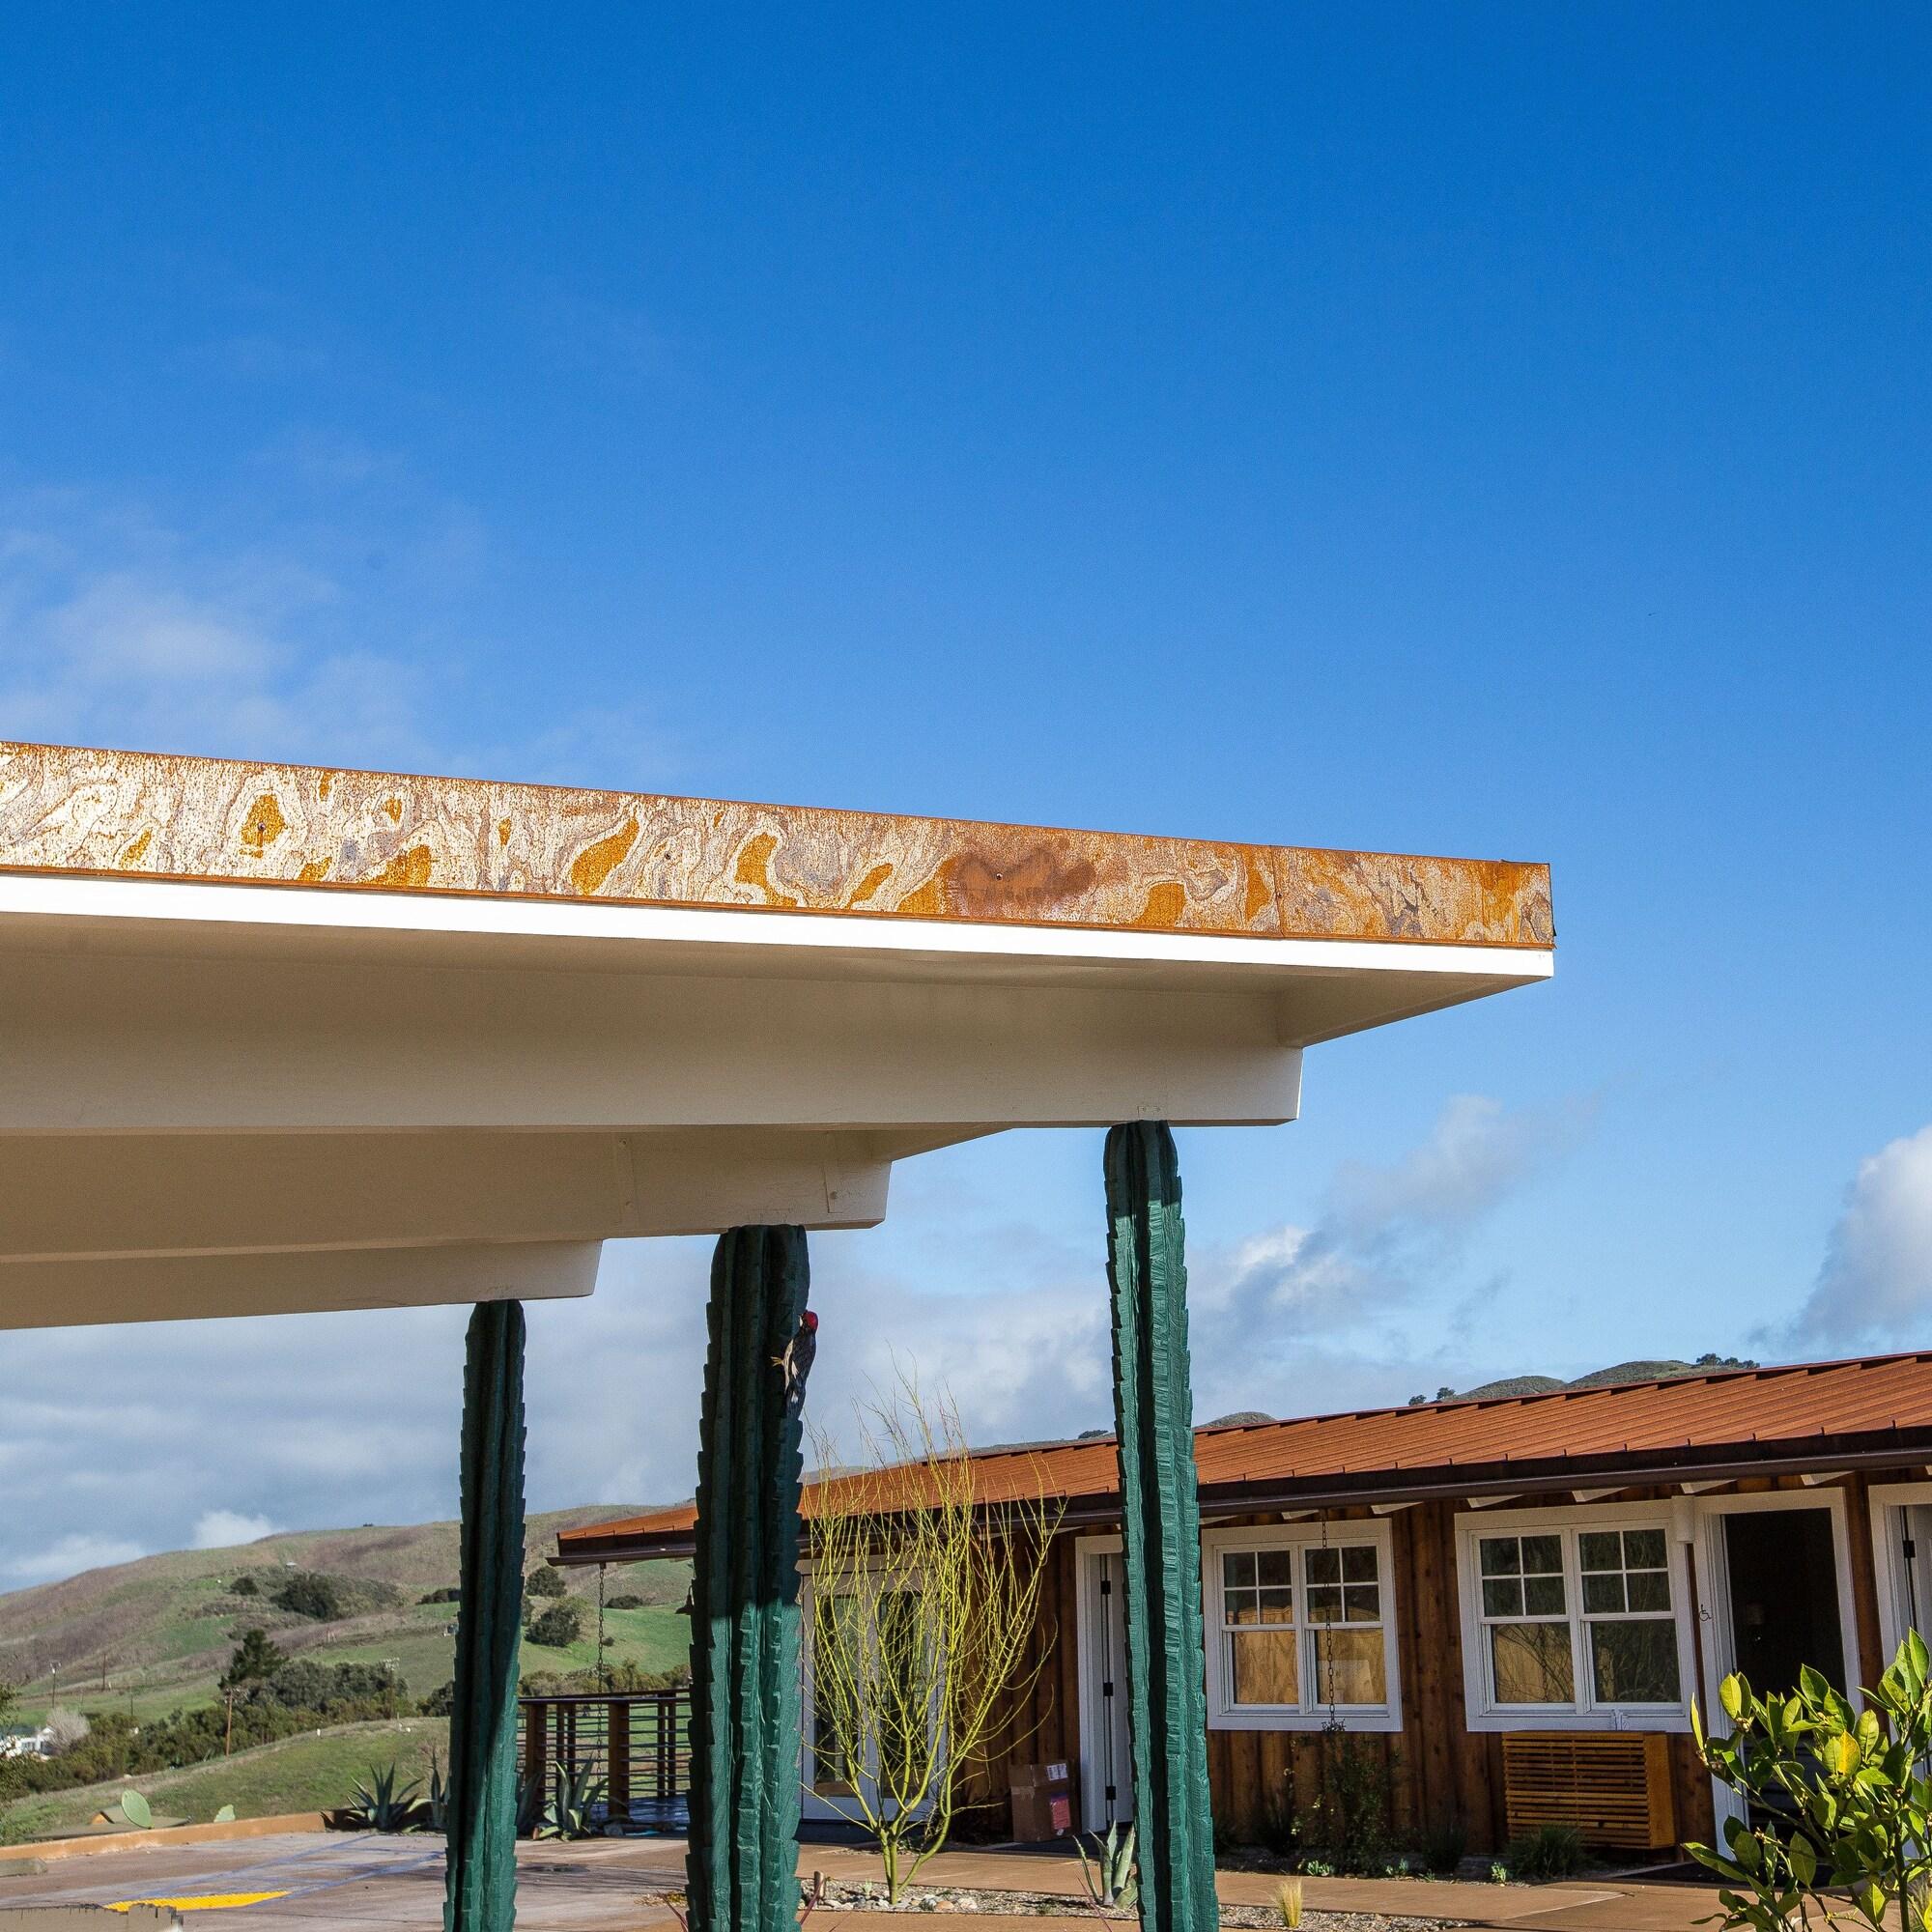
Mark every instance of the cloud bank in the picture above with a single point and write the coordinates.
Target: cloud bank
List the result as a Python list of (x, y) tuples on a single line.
[(1875, 1287)]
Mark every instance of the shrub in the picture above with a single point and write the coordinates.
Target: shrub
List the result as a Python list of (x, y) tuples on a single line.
[(1343, 1823), (1445, 1849), (301, 1684), (628, 1601), (557, 1628), (449, 1593), (544, 1581), (309, 1593), (244, 1586), (68, 1727), (442, 1701), (1551, 1851)]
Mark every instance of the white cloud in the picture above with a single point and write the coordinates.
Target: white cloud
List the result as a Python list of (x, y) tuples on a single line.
[(314, 1421), (70, 1555), (228, 1529), (1875, 1287)]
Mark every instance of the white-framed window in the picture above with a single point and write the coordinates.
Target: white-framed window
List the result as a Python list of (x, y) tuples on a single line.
[(1301, 1627), (1573, 1618)]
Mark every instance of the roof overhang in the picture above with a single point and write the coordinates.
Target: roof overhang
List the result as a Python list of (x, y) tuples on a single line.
[(373, 1024)]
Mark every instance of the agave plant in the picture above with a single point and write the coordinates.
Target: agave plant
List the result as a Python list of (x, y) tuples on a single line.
[(1113, 1878), (437, 1805), (381, 1804), (576, 1792)]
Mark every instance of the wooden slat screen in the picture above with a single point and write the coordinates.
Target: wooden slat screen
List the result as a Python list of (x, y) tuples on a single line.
[(1613, 1787)]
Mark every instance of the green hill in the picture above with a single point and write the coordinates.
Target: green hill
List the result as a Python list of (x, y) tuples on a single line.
[(317, 1770), (155, 1634)]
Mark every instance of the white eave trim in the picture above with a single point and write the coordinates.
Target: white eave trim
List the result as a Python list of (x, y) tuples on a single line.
[(57, 895)]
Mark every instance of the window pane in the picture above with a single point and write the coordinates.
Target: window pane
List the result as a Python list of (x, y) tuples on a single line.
[(1350, 1667), (1603, 1593), (1237, 1567), (1502, 1596), (1364, 1604), (1243, 1606), (1541, 1555), (1532, 1664), (1277, 1606), (1324, 1603), (1358, 1565), (1501, 1556), (1643, 1549), (1649, 1590), (1634, 1662), (1600, 1549), (1543, 1596), (1276, 1567), (1325, 1566), (1262, 1666)]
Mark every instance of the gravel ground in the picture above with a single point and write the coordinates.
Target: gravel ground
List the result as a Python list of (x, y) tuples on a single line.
[(1057, 1905)]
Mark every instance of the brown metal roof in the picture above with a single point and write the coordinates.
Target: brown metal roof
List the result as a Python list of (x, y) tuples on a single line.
[(1737, 1421), (140, 815)]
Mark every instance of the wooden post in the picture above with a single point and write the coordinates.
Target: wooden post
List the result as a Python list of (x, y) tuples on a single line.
[(1160, 1532), (617, 1755), (742, 1864), (480, 1892)]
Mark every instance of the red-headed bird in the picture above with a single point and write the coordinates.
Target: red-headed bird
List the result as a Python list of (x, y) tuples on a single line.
[(796, 1362)]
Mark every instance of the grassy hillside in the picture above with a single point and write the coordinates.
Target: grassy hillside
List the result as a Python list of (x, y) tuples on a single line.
[(316, 1771), (155, 1634)]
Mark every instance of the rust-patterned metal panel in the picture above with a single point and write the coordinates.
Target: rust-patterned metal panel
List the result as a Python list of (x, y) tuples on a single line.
[(145, 815)]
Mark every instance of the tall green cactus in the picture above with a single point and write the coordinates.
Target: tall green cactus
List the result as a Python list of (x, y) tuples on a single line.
[(480, 1885), (742, 1865), (1154, 1408)]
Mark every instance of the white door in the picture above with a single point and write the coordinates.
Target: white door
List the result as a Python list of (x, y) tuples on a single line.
[(1106, 1767)]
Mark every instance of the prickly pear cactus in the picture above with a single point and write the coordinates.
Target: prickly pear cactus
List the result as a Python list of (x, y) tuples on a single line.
[(1154, 1408), (480, 1886), (742, 1868)]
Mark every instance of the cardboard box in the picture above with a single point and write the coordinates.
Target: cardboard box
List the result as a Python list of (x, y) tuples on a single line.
[(1043, 1797)]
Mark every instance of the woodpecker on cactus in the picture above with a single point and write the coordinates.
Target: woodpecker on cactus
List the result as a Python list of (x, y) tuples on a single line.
[(796, 1361)]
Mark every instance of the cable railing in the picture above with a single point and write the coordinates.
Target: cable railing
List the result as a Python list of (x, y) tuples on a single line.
[(637, 1741)]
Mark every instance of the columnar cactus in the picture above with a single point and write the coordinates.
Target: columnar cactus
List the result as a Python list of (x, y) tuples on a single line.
[(480, 1892), (743, 1857), (1154, 1408)]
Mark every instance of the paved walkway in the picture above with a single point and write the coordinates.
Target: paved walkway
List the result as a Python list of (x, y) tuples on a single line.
[(359, 1878)]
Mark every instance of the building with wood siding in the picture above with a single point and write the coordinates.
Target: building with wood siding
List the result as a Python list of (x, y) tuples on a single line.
[(1510, 1602)]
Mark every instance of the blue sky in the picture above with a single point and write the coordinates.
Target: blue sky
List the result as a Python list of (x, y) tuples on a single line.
[(1498, 429)]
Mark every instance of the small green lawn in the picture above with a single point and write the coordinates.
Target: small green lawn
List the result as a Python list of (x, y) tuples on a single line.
[(316, 1771)]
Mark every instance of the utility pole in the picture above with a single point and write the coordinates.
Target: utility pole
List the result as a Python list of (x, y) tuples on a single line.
[(228, 1737)]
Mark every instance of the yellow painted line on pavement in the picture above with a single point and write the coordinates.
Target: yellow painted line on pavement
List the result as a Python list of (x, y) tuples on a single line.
[(213, 1901)]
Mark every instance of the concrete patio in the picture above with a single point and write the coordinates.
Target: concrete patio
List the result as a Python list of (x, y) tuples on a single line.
[(362, 1878)]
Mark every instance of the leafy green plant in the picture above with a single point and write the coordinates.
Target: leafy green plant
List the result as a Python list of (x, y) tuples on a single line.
[(576, 1791), (1445, 1849), (436, 1807), (1343, 1825), (544, 1581), (256, 1657), (1551, 1851), (137, 1811), (225, 1816), (383, 1804), (1112, 1875), (1842, 1799), (557, 1628)]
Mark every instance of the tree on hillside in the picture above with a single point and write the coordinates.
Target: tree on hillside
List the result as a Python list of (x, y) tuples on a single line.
[(557, 1628), (925, 1601), (256, 1659), (69, 1728), (309, 1593), (544, 1581), (10, 1695)]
